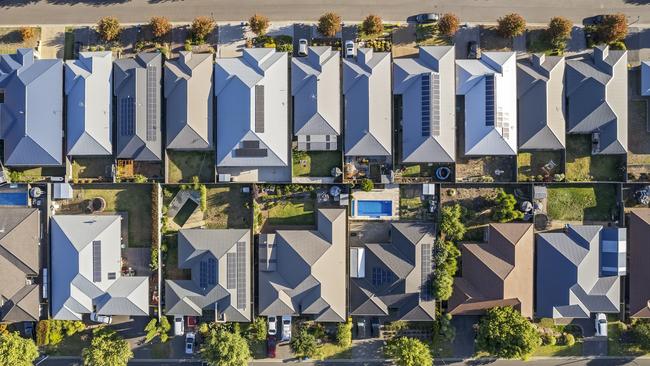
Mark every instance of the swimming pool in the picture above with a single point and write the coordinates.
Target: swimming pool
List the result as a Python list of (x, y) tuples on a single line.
[(374, 208), (13, 198)]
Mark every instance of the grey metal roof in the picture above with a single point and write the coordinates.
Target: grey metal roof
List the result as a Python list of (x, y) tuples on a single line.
[(189, 97), (195, 248), (316, 91), (435, 140), (490, 89), (570, 283), (252, 111), (596, 89), (302, 272), (645, 78), (85, 251), (31, 117), (19, 260), (402, 260), (89, 114), (368, 104), (540, 90), (137, 86)]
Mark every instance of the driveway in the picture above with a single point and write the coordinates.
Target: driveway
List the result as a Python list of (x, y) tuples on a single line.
[(462, 39), (594, 346), (231, 40), (300, 31), (463, 345)]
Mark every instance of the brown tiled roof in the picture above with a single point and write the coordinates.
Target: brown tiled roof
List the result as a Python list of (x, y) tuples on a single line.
[(639, 271)]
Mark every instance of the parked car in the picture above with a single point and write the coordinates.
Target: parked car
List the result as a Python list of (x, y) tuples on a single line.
[(271, 344), (286, 327), (179, 326), (350, 50), (273, 325), (601, 325), (473, 51), (594, 20), (302, 47), (106, 319), (189, 343), (427, 18)]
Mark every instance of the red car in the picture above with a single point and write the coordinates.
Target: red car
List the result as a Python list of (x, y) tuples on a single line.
[(271, 343)]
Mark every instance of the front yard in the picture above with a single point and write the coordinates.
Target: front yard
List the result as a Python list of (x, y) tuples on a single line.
[(581, 166), (315, 163), (582, 203), (11, 40), (183, 165)]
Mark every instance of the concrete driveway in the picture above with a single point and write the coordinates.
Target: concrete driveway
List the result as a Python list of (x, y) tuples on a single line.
[(301, 31), (594, 346), (463, 345), (462, 39)]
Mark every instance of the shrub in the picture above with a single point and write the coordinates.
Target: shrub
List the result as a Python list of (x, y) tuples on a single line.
[(43, 333), (448, 24), (618, 45), (511, 25), (344, 333), (367, 185), (445, 259), (548, 339), (372, 25), (139, 178), (329, 24), (451, 225), (16, 350), (504, 208), (108, 28), (204, 197), (641, 332), (259, 328), (613, 28), (259, 24), (160, 26), (568, 339), (503, 332), (559, 30), (202, 27), (27, 33), (304, 344), (408, 352), (443, 330), (225, 348)]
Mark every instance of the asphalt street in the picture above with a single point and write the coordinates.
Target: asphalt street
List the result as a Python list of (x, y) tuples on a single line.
[(41, 12)]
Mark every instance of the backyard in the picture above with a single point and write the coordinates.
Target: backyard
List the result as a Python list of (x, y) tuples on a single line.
[(539, 165), (291, 207), (411, 205), (638, 155), (582, 203), (96, 168), (485, 169), (11, 40), (183, 165), (581, 166), (315, 163)]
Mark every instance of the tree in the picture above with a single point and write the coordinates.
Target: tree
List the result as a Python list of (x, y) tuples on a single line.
[(155, 329), (109, 28), (504, 208), (259, 24), (503, 332), (443, 330), (16, 350), (372, 25), (559, 30), (106, 349), (329, 24), (304, 344), (367, 185), (160, 26), (448, 24), (613, 28), (451, 225), (223, 348), (344, 333), (511, 25), (641, 332), (408, 352), (259, 328), (202, 27), (27, 33), (445, 259)]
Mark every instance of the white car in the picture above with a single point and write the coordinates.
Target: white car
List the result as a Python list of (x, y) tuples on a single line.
[(179, 326), (189, 343), (106, 319), (350, 50), (601, 325), (286, 328), (273, 325), (302, 47)]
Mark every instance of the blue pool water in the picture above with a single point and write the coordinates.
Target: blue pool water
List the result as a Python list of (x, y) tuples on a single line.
[(13, 198), (374, 208)]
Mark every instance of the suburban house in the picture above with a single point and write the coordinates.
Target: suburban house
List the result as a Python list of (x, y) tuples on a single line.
[(489, 85), (316, 92), (137, 88), (253, 116), (424, 87), (89, 101), (302, 272), (596, 91), (578, 271), (645, 78), (19, 264), (390, 281), (540, 93), (31, 109), (368, 104), (189, 101), (498, 272), (86, 269), (638, 223), (220, 266)]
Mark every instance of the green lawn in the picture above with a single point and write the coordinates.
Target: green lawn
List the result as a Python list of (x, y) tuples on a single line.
[(91, 168), (411, 171), (315, 163), (183, 165), (530, 164), (228, 208), (559, 350), (581, 166), (427, 35), (68, 49), (333, 351), (70, 346), (291, 212), (594, 203), (409, 208)]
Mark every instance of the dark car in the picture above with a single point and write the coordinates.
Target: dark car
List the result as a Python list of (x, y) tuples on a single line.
[(473, 51), (271, 343), (427, 18), (595, 20)]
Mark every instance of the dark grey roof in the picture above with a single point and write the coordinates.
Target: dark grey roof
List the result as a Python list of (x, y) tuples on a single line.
[(189, 101), (137, 86), (596, 89), (395, 276), (89, 116), (368, 104), (570, 283), (540, 90), (196, 248), (19, 261), (431, 72), (31, 117), (302, 272)]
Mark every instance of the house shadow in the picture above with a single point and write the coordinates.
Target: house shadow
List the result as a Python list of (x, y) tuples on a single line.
[(87, 2), (16, 3)]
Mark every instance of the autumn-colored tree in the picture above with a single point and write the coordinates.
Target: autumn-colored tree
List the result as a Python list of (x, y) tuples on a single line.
[(511, 25), (160, 26), (613, 28), (372, 25), (448, 24), (27, 33), (109, 28), (202, 27), (329, 24), (559, 30), (259, 24)]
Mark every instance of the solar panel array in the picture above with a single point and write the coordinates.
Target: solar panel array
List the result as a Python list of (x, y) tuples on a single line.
[(97, 260), (250, 153), (490, 96), (231, 271), (212, 271), (259, 108), (203, 274), (435, 100), (152, 102), (381, 276), (425, 271), (425, 104), (241, 275), (127, 116)]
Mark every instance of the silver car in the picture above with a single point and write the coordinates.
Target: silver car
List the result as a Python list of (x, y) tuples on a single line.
[(302, 47), (350, 50)]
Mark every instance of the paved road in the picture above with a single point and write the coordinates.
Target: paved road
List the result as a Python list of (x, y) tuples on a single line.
[(16, 12)]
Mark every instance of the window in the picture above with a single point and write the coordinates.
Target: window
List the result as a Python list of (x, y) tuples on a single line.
[(2, 96)]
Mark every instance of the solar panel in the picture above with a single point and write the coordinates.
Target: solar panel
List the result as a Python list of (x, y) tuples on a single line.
[(381, 276), (241, 275), (97, 261), (203, 274), (212, 271), (425, 271), (259, 108), (490, 95), (425, 104), (152, 102), (250, 144), (250, 153), (435, 100), (231, 271), (127, 116)]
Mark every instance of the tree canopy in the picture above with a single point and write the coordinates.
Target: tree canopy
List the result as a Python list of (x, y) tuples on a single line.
[(367, 185), (613, 28), (448, 24), (329, 24), (304, 344), (445, 254), (224, 348), (16, 350), (451, 224), (259, 24), (559, 30), (408, 352), (109, 28), (505, 208), (160, 26), (503, 332), (202, 27), (372, 25), (344, 334), (511, 25), (106, 349)]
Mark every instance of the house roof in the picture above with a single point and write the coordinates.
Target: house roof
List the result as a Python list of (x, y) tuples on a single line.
[(428, 123), (540, 90), (639, 271), (596, 89), (395, 274), (86, 271), (252, 110), (137, 86), (88, 82), (316, 91), (301, 272), (189, 101), (570, 283), (496, 273), (489, 85), (225, 287), (645, 78), (19, 261), (368, 104), (31, 117)]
